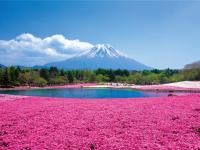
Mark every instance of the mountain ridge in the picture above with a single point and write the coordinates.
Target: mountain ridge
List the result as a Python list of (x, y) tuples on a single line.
[(2, 66), (102, 50), (100, 56), (193, 65)]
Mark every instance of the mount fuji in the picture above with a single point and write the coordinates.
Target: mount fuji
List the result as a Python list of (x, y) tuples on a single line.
[(100, 56)]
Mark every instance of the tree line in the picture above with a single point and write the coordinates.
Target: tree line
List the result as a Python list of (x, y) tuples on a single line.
[(16, 76)]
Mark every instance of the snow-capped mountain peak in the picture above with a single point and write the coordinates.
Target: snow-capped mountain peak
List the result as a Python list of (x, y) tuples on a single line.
[(103, 50), (100, 56)]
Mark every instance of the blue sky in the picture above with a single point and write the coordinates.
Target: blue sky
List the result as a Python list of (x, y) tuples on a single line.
[(160, 34)]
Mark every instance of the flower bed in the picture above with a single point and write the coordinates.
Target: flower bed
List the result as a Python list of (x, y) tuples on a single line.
[(143, 123)]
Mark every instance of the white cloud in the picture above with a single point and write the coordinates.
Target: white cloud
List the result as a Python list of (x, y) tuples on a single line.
[(28, 50)]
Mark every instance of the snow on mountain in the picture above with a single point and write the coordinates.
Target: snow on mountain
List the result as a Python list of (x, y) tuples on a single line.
[(100, 56), (102, 50)]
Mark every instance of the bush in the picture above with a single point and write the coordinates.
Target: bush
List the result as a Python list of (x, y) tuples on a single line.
[(40, 82), (58, 80), (34, 79), (23, 79), (101, 78), (121, 79)]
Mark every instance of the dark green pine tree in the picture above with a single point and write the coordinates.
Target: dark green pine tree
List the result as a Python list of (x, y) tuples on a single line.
[(62, 72), (5, 82), (70, 77), (13, 77), (44, 73), (53, 71), (111, 75), (17, 71)]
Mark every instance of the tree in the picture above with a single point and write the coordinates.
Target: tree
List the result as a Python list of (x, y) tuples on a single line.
[(101, 78), (126, 72), (152, 78), (44, 73), (191, 74), (131, 79), (101, 71), (138, 78), (163, 78), (62, 72), (146, 72), (87, 76), (58, 80), (53, 71), (120, 78), (23, 79), (34, 79), (40, 82), (40, 77), (92, 78), (156, 71), (17, 71), (5, 82), (111, 75), (79, 74), (70, 77), (176, 78), (13, 75)]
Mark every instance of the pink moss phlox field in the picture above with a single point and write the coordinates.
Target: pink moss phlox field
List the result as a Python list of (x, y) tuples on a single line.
[(56, 124)]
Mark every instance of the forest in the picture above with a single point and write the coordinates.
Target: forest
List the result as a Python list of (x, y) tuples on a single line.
[(17, 76)]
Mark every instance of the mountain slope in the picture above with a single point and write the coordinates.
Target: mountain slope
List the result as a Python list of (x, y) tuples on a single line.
[(100, 56), (193, 65), (2, 66)]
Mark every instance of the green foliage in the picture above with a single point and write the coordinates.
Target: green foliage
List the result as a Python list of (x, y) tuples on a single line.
[(70, 77), (5, 81), (62, 72), (163, 78), (120, 79), (34, 79), (152, 78), (53, 71), (111, 75), (138, 78), (14, 76), (101, 78), (44, 73), (58, 81), (120, 72), (92, 78), (176, 78), (39, 81), (23, 78), (191, 74)]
